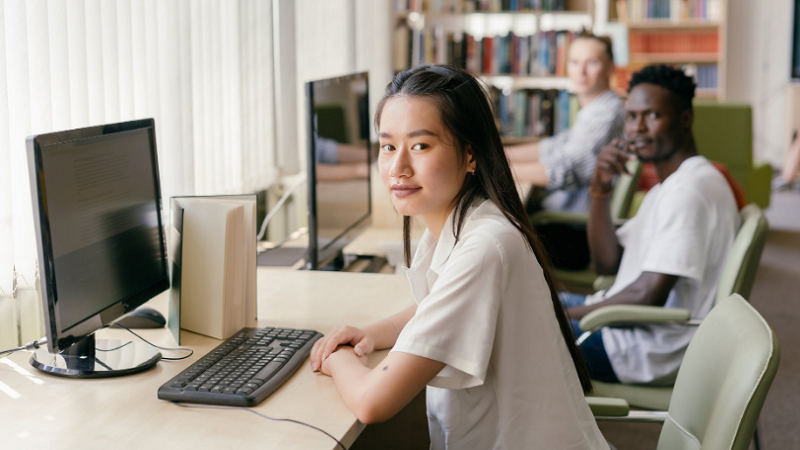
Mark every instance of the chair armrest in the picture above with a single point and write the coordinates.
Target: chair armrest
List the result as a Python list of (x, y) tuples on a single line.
[(603, 282), (606, 406), (570, 218), (632, 314), (545, 217)]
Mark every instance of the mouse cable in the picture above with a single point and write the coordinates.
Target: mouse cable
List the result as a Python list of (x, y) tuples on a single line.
[(277, 419), (191, 352), (32, 345)]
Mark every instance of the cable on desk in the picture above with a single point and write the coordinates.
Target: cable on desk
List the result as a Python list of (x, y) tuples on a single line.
[(277, 419), (112, 349), (191, 352), (32, 345)]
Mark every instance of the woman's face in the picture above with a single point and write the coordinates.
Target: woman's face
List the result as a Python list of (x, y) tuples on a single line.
[(418, 160)]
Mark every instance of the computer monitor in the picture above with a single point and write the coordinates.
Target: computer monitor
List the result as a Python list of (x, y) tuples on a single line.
[(101, 245), (339, 199)]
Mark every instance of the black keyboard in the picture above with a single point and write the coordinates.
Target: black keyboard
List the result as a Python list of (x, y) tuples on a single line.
[(243, 370)]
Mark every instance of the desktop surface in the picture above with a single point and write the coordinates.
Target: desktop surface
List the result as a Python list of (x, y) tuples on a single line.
[(40, 410)]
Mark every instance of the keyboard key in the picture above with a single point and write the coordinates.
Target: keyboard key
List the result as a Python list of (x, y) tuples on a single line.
[(268, 371)]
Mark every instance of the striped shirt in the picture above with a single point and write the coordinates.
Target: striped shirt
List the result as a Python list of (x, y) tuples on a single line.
[(570, 156)]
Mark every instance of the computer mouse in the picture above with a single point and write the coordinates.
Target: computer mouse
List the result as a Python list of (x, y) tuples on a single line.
[(143, 317)]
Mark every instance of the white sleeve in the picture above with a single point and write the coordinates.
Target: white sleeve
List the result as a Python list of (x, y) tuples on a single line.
[(455, 324), (680, 238)]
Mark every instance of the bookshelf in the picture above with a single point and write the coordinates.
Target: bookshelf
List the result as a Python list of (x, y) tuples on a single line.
[(517, 47), (686, 33)]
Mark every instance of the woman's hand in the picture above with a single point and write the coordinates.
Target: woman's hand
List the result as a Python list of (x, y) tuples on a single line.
[(339, 355), (362, 343)]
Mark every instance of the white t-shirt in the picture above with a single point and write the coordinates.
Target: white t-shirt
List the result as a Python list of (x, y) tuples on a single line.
[(684, 227), (485, 310)]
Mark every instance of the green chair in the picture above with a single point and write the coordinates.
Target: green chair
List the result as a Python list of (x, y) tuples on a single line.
[(721, 385), (737, 277), (724, 133), (621, 199)]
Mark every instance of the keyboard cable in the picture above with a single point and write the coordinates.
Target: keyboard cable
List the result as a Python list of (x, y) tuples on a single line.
[(36, 344), (277, 419)]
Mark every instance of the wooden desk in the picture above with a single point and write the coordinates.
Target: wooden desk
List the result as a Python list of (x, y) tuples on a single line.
[(125, 413)]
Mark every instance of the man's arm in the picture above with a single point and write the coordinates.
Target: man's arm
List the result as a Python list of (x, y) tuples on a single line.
[(532, 173), (650, 289), (523, 153), (605, 248)]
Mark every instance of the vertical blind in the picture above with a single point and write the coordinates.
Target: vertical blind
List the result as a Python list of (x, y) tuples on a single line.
[(201, 68)]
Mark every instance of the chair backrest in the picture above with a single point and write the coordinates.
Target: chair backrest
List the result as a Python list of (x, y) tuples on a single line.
[(742, 262), (626, 186), (723, 380), (724, 132)]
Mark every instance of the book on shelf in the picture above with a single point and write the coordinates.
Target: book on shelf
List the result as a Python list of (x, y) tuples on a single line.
[(675, 10), (470, 6), (402, 41), (213, 262), (534, 113), (661, 42), (543, 54), (705, 75)]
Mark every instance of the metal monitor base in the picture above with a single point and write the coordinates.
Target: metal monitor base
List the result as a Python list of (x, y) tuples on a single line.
[(101, 358)]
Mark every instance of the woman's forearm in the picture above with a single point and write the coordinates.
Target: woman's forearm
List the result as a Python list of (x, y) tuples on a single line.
[(386, 331), (350, 377)]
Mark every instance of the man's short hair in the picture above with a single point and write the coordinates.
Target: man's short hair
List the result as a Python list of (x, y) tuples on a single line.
[(605, 40), (674, 80)]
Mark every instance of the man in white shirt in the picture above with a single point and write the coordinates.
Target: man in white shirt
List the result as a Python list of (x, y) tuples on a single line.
[(672, 252), (564, 164)]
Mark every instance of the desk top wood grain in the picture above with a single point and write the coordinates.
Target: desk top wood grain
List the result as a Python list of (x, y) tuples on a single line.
[(39, 410)]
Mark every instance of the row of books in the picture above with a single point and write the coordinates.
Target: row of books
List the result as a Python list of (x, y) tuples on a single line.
[(705, 75), (534, 113), (542, 54), (469, 6), (673, 42), (637, 10)]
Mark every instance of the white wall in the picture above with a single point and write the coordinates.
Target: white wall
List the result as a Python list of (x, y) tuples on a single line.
[(323, 39), (757, 68), (337, 37)]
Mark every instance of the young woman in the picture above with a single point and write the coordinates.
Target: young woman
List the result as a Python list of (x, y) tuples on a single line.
[(488, 335)]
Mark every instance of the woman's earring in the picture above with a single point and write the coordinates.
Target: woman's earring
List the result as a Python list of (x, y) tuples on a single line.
[(473, 172)]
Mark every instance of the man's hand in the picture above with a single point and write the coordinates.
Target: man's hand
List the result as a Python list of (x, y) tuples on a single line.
[(610, 163)]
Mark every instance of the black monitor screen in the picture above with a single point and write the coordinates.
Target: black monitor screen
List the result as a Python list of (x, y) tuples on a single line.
[(100, 219), (340, 189), (796, 41)]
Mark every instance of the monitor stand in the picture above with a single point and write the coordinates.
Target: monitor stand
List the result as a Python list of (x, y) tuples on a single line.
[(102, 358), (336, 264)]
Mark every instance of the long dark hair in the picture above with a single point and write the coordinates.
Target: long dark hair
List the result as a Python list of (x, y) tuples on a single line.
[(467, 114)]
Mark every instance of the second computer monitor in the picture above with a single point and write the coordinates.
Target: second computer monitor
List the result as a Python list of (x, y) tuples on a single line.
[(339, 203)]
